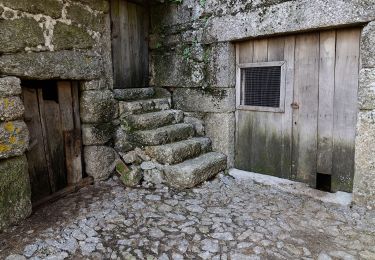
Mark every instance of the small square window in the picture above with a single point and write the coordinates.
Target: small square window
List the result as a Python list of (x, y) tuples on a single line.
[(262, 86)]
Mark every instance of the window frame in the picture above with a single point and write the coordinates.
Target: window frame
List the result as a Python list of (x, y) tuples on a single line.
[(240, 86)]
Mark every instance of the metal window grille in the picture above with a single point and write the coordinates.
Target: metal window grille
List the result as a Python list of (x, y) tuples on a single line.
[(261, 86)]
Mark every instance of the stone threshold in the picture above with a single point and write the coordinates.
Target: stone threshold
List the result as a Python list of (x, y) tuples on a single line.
[(297, 188)]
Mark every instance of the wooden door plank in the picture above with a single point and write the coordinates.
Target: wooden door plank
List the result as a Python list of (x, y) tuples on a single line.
[(77, 147), (259, 128), (45, 140), (306, 81), (326, 95), (66, 105), (246, 52), (55, 140), (287, 120), (345, 108), (36, 156)]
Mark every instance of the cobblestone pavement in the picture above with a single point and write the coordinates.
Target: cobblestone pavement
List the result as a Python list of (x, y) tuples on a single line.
[(223, 219)]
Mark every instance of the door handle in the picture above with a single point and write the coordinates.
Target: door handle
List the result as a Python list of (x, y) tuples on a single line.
[(294, 105)]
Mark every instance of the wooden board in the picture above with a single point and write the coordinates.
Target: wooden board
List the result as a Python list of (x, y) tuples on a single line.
[(326, 96), (36, 156), (345, 108), (130, 28), (306, 89)]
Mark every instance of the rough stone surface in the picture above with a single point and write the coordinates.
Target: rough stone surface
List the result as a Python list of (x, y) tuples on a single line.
[(11, 40), (151, 120), (223, 219), (204, 100), (364, 179), (80, 15), (220, 128), (11, 108), (97, 106), (163, 135), (97, 134), (127, 94), (100, 161), (123, 141), (130, 177), (51, 8), (190, 173), (368, 46), (10, 86), (179, 151), (99, 5), (143, 106), (366, 91), (93, 85), (14, 139), (197, 123), (53, 65), (15, 193), (67, 37)]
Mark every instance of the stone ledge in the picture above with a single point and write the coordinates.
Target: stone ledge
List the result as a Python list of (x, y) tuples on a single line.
[(10, 86), (98, 106), (73, 65)]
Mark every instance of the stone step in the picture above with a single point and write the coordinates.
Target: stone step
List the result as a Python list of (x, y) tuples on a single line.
[(195, 171), (177, 152), (163, 135), (144, 105), (129, 94), (153, 119)]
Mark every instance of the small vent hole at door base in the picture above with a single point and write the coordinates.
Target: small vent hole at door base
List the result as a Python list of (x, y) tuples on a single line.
[(323, 182)]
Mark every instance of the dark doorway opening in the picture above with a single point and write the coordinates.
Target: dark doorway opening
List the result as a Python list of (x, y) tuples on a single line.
[(55, 150), (323, 182)]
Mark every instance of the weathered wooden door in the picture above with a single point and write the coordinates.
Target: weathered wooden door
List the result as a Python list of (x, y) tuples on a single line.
[(311, 131), (130, 25), (52, 117)]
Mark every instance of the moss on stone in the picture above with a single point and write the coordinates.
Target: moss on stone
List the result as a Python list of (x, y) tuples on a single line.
[(67, 37), (51, 8), (99, 5), (16, 35), (80, 15), (15, 192)]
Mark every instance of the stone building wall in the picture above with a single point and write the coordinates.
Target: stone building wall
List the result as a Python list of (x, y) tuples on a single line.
[(192, 53), (60, 40)]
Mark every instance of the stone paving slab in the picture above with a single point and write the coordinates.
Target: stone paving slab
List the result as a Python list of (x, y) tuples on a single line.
[(223, 219)]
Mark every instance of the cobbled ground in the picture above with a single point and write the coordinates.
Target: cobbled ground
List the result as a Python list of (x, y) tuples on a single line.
[(222, 219)]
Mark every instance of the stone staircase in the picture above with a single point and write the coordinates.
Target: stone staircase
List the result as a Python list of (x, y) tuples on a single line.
[(149, 123)]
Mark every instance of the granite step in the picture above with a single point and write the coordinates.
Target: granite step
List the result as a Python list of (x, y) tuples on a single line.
[(129, 94), (179, 151), (144, 105), (153, 119), (192, 172), (164, 135)]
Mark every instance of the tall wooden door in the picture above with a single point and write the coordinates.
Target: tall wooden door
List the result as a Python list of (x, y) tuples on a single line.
[(311, 131), (52, 117), (130, 28)]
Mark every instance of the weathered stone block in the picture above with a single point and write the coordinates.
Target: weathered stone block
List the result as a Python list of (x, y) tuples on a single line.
[(11, 108), (15, 191), (97, 134), (364, 177), (14, 139), (368, 46), (82, 16), (220, 128), (51, 8), (222, 70), (204, 100), (67, 37), (98, 106), (17, 34), (99, 5), (100, 161), (366, 91), (130, 177), (10, 86), (93, 85), (74, 65)]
